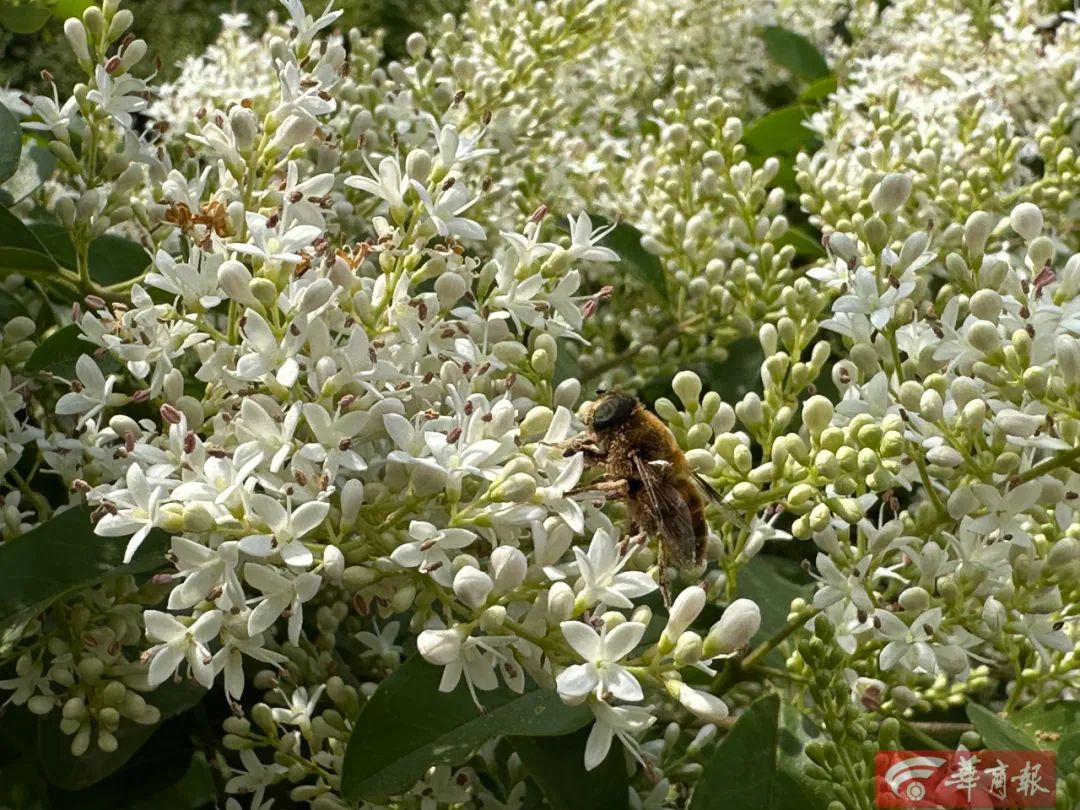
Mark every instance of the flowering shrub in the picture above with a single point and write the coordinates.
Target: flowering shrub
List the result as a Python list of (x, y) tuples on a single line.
[(294, 347)]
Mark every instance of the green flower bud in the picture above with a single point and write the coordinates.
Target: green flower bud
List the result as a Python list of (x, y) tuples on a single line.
[(817, 414), (876, 234), (687, 387), (890, 194)]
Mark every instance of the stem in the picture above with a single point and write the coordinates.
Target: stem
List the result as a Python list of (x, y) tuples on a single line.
[(788, 629), (1050, 464), (672, 331)]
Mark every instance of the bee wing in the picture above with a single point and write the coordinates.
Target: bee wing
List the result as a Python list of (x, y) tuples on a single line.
[(725, 508), (670, 514)]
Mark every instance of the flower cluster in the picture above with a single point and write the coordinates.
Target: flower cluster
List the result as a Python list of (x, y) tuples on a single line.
[(337, 401)]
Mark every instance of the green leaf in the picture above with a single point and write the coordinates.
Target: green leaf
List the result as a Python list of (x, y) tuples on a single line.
[(779, 132), (410, 725), (59, 557), (794, 52), (114, 259), (738, 374), (760, 765), (59, 351), (558, 766), (68, 772), (1068, 752), (819, 90), (10, 143), (14, 234), (21, 260), (11, 307), (1046, 723), (625, 240), (35, 167), (23, 19), (805, 245), (997, 732), (62, 9), (772, 582)]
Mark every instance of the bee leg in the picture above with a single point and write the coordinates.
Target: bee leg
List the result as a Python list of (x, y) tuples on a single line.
[(661, 575), (617, 490)]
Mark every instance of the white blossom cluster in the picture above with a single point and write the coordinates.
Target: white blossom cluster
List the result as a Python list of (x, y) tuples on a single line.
[(335, 389)]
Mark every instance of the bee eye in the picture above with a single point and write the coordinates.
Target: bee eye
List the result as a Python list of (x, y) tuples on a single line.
[(612, 411)]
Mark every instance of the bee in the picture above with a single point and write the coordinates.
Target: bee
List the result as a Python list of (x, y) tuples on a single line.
[(645, 468)]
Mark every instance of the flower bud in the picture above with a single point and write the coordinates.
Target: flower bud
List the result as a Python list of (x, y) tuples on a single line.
[(702, 705), (977, 231), (472, 586), (518, 488), (817, 414), (945, 456), (1027, 220), (1067, 350), (930, 405), (333, 563), (352, 497), (891, 193), (688, 649), (993, 614), (1041, 251), (1017, 423), (235, 280), (560, 603), (842, 246), (687, 386), (508, 567), (741, 620), (297, 129), (914, 599), (688, 604), (75, 32), (244, 127), (439, 647)]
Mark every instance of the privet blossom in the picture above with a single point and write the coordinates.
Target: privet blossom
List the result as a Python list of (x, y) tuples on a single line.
[(335, 400)]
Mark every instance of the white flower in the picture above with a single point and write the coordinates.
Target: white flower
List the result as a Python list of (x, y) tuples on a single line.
[(300, 709), (444, 212), (428, 548), (28, 681), (254, 778), (93, 395), (180, 642), (909, 645), (865, 299), (615, 721), (472, 657), (230, 658), (201, 570), (1005, 511), (280, 593), (390, 185), (287, 527), (273, 245), (604, 580), (118, 96), (583, 241), (600, 674), (137, 509)]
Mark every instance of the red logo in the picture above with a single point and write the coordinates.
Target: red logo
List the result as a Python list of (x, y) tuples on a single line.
[(954, 780)]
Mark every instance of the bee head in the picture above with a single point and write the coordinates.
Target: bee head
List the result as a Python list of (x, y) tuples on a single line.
[(612, 410)]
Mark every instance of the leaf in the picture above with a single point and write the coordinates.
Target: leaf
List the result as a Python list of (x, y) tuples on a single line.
[(625, 240), (997, 732), (779, 132), (21, 260), (794, 52), (409, 725), (738, 374), (70, 773), (35, 167), (819, 90), (558, 766), (62, 9), (772, 582), (1068, 752), (59, 351), (10, 143), (754, 766), (59, 557), (23, 19), (14, 234), (114, 259), (11, 307), (1048, 721), (805, 246)]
